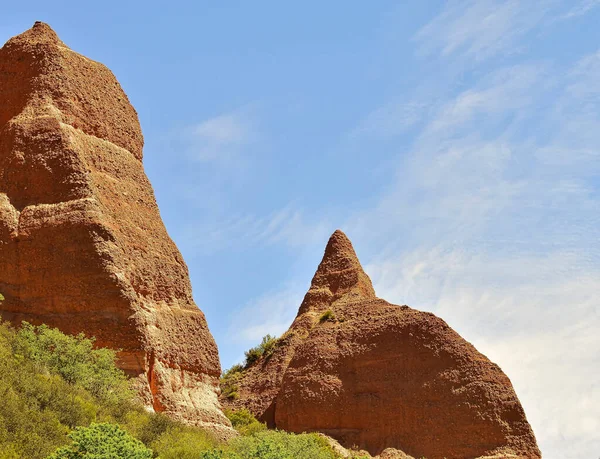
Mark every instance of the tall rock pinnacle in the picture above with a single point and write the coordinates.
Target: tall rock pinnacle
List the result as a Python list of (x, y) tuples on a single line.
[(339, 276), (378, 376), (82, 244)]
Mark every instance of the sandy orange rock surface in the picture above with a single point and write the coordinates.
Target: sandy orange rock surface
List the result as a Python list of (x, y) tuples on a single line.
[(82, 244), (377, 376)]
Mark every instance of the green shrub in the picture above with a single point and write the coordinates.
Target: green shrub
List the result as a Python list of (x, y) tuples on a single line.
[(37, 408), (182, 442), (327, 315), (102, 441), (245, 422), (264, 349), (51, 383), (273, 444), (229, 382), (2, 299), (75, 360), (147, 427), (281, 445), (237, 368), (218, 454)]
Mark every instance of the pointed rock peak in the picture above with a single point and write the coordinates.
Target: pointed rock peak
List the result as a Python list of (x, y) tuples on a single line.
[(339, 253), (40, 33), (340, 276)]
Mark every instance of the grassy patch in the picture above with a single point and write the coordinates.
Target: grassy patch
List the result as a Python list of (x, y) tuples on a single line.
[(327, 315)]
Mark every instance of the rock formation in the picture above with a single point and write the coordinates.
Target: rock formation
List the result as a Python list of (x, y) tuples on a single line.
[(375, 375), (82, 244)]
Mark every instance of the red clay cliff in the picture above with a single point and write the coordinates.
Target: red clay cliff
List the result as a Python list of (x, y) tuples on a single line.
[(82, 244), (375, 375)]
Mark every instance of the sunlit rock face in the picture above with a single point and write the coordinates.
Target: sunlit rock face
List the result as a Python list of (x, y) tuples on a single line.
[(82, 244), (379, 376)]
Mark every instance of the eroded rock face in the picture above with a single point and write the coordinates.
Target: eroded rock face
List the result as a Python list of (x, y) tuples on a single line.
[(82, 244), (379, 376)]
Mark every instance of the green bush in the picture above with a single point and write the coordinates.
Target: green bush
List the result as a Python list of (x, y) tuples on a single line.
[(272, 444), (264, 349), (102, 441), (51, 383), (244, 422), (37, 408), (229, 382), (75, 360), (327, 315), (181, 442)]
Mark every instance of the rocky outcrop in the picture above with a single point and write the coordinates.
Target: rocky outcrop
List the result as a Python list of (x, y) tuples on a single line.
[(378, 376), (82, 244)]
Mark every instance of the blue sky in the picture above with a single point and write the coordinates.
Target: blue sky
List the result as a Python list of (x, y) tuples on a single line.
[(456, 143)]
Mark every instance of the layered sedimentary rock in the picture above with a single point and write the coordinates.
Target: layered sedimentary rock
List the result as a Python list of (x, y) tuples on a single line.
[(82, 244), (375, 375)]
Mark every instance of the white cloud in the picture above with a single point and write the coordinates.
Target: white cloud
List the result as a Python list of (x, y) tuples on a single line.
[(480, 29), (271, 313), (222, 138), (224, 129), (582, 8), (510, 88)]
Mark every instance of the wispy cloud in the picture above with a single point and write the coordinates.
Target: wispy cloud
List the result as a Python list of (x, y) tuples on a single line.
[(271, 313), (481, 29), (288, 226), (392, 119), (510, 88), (581, 8), (222, 138)]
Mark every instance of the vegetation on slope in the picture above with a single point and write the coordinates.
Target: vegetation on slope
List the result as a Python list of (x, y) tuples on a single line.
[(264, 349), (327, 315), (63, 399), (231, 377), (229, 382)]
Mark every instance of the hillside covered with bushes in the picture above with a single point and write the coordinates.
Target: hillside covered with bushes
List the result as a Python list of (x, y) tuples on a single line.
[(64, 399)]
